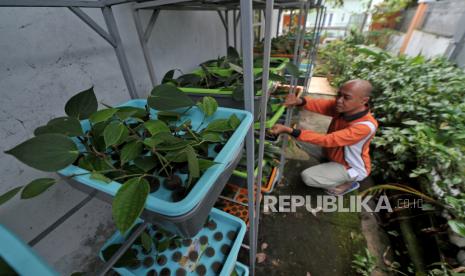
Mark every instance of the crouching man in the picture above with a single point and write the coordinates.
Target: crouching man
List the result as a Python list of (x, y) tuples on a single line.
[(347, 142)]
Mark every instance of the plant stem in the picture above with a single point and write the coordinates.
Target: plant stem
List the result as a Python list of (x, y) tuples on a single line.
[(89, 172), (162, 161), (130, 175), (193, 134)]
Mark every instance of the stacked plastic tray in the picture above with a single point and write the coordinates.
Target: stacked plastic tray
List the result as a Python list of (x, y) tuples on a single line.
[(213, 251), (187, 216), (20, 257)]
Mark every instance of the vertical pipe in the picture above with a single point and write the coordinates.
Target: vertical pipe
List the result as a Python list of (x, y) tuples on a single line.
[(263, 106), (119, 50), (247, 55), (235, 28), (290, 21), (280, 13), (291, 90), (226, 18), (310, 65), (143, 44)]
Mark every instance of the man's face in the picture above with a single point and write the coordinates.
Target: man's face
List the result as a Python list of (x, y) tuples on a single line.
[(349, 100)]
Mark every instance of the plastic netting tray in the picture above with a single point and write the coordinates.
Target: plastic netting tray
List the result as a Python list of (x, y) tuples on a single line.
[(241, 269), (186, 216), (20, 257), (223, 234)]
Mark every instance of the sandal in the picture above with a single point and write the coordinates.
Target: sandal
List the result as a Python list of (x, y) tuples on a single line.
[(355, 185)]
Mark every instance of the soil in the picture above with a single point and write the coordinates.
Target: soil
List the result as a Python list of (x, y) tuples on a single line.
[(172, 182)]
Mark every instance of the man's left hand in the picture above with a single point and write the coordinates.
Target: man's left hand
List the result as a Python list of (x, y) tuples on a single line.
[(279, 128)]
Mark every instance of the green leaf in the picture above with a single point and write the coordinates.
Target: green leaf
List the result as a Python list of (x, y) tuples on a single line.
[(36, 187), (189, 80), (204, 164), (174, 146), (276, 77), (125, 112), (163, 245), (145, 163), (212, 137), (208, 106), (179, 156), (457, 226), (129, 203), (146, 241), (167, 97), (236, 68), (100, 177), (47, 152), (292, 69), (115, 133), (156, 126), (102, 115), (233, 121), (219, 125), (68, 126), (126, 259), (131, 150), (193, 162), (238, 93), (9, 195), (168, 76), (410, 122), (82, 105), (232, 54), (93, 163)]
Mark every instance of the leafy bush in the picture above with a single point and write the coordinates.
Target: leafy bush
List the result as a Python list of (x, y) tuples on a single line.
[(421, 109)]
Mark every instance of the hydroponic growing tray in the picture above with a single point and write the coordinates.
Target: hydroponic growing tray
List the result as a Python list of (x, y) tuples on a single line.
[(213, 251), (184, 217), (20, 257)]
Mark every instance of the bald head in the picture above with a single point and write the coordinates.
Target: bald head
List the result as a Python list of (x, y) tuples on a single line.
[(353, 96), (359, 87)]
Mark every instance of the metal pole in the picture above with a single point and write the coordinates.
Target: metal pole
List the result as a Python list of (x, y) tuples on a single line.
[(263, 106), (226, 17), (143, 44), (119, 50), (235, 28), (247, 55), (291, 90), (310, 65), (290, 20), (93, 25), (280, 13)]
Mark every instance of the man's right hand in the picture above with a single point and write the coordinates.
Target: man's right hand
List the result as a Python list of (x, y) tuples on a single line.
[(292, 100)]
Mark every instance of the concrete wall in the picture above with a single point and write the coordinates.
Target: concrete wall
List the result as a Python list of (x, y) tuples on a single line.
[(441, 33), (46, 56)]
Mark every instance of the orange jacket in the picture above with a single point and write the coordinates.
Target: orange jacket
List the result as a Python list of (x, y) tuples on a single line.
[(348, 139)]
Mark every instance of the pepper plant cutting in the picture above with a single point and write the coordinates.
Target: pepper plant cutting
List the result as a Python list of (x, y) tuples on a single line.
[(138, 147)]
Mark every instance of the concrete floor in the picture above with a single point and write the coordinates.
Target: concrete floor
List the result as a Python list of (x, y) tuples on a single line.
[(303, 243)]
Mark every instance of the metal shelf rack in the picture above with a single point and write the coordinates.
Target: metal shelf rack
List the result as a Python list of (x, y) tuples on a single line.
[(241, 9)]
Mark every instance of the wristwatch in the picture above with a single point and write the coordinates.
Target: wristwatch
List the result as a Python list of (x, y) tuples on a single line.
[(295, 132), (304, 101)]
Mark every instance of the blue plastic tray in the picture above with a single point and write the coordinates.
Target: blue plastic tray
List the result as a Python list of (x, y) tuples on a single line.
[(241, 269), (224, 223), (20, 256), (159, 202)]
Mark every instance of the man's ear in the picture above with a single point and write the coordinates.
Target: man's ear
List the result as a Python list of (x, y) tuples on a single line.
[(365, 100)]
